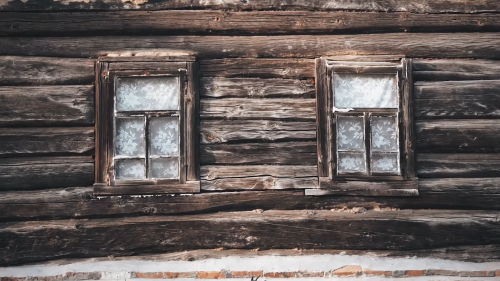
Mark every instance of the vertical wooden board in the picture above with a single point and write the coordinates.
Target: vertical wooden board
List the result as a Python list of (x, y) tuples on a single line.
[(322, 111), (192, 121)]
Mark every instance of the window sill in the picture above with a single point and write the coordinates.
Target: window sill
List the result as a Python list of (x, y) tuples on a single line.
[(365, 188), (101, 189)]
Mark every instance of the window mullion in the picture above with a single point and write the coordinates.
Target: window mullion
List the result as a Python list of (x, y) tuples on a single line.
[(367, 116), (147, 136)]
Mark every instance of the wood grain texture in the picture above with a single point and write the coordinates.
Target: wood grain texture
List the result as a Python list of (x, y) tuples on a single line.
[(458, 99), (397, 230), (458, 135), (236, 23), (278, 171), (224, 131), (45, 172), (412, 6), (443, 45), (55, 141), (259, 183), (45, 71), (443, 70), (261, 68), (47, 106), (215, 87), (455, 165), (262, 109), (283, 153)]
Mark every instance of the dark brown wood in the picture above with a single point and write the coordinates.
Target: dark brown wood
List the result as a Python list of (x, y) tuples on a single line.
[(443, 70), (259, 183), (47, 106), (458, 136), (412, 6), (284, 171), (215, 87), (262, 109), (23, 141), (469, 165), (364, 192), (398, 230), (457, 99), (45, 71), (187, 187), (192, 103), (102, 103), (237, 23), (225, 131), (45, 172), (284, 153), (261, 68), (408, 123), (133, 64), (322, 119), (443, 45)]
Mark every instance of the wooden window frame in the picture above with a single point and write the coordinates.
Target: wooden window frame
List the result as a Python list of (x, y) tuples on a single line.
[(330, 183), (107, 71)]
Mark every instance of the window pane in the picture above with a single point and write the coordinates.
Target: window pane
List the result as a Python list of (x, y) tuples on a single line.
[(350, 133), (130, 137), (384, 131), (351, 162), (127, 169), (164, 136), (385, 162), (165, 168), (365, 91), (147, 93)]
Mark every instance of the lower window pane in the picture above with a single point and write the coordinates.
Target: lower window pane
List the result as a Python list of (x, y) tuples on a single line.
[(351, 162), (130, 169), (385, 163), (165, 168)]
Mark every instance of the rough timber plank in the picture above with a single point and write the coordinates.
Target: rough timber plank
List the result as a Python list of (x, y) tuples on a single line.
[(237, 23), (443, 70), (215, 87), (284, 171), (412, 6), (78, 140), (457, 99), (443, 45), (397, 230), (283, 153), (45, 172), (458, 135), (44, 71), (455, 165), (223, 131), (47, 105), (267, 109), (261, 68), (259, 183)]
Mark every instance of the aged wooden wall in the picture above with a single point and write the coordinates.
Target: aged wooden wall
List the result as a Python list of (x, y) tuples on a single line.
[(257, 128)]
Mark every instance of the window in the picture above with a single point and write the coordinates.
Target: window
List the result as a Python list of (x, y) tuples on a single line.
[(365, 127), (146, 127)]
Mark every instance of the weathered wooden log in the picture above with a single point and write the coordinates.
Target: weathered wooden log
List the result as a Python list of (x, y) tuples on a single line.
[(237, 23), (435, 45), (47, 106), (22, 141), (396, 230), (261, 68), (457, 99), (458, 165), (45, 172), (215, 87), (443, 70), (411, 6), (278, 171), (458, 135), (262, 109), (260, 183), (45, 71), (281, 153)]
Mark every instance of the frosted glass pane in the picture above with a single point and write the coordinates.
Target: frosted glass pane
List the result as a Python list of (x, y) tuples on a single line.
[(350, 133), (127, 169), (147, 93), (165, 168), (365, 91), (385, 162), (164, 136), (351, 162), (130, 135), (384, 131)]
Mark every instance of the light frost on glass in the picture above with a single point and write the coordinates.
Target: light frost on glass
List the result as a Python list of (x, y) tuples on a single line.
[(365, 91), (130, 169), (164, 136), (147, 93), (167, 168), (130, 137)]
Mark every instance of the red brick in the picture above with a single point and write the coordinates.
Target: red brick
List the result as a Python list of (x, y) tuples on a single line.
[(210, 275), (149, 274), (348, 270), (377, 272), (415, 273), (497, 273), (245, 274), (172, 275)]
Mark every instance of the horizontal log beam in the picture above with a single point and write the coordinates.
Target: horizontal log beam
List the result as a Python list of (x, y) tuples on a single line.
[(284, 171), (237, 23), (396, 230), (435, 45), (444, 70), (412, 6), (261, 68), (458, 165), (216, 87), (45, 71), (47, 106), (260, 183)]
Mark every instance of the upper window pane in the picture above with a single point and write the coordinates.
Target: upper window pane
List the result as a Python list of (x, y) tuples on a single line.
[(147, 93), (365, 91)]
